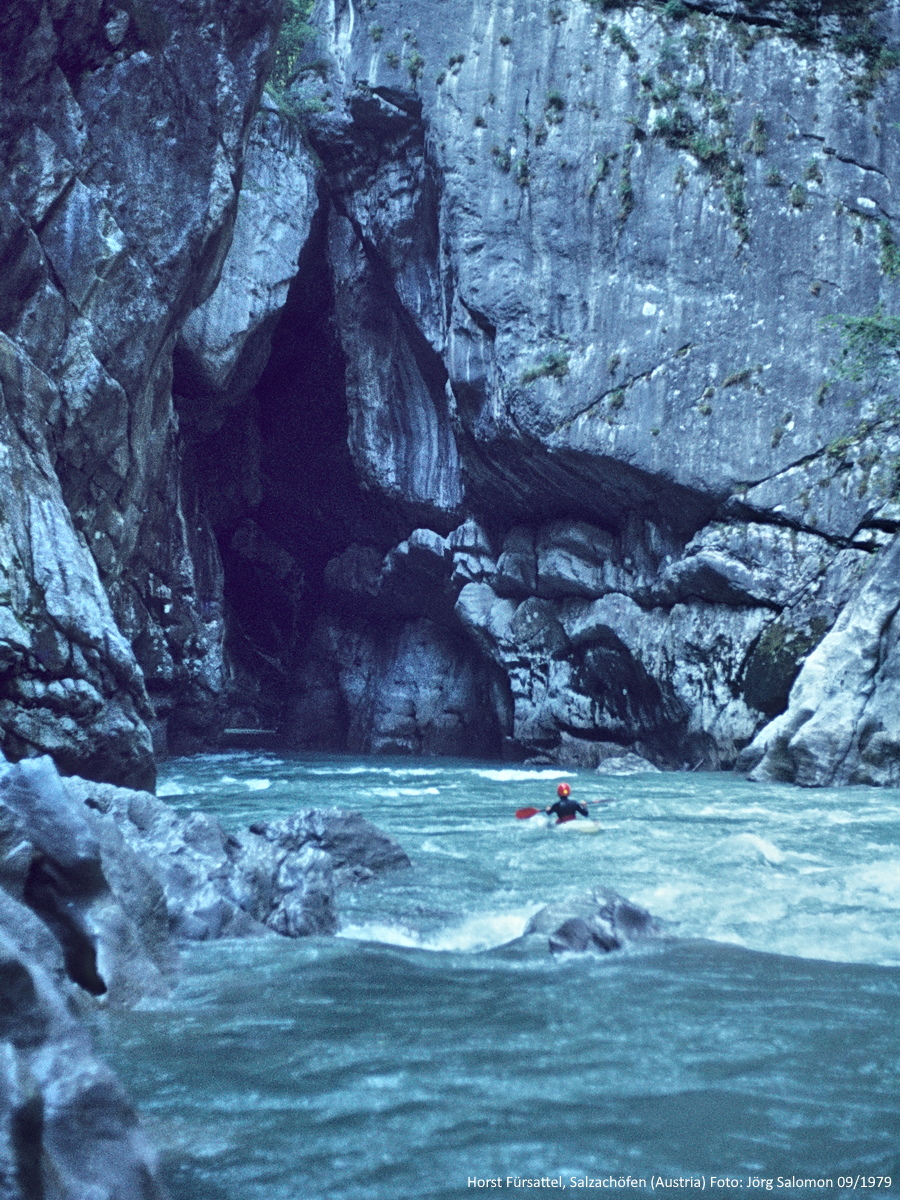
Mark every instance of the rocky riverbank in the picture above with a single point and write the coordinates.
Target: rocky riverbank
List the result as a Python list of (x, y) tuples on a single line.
[(98, 884)]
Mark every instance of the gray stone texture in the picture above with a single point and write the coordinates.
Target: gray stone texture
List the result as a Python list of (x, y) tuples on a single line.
[(572, 266), (122, 138), (581, 262), (98, 883), (598, 921)]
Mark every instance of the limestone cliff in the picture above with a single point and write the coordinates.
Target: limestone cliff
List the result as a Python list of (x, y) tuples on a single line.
[(122, 130), (511, 425), (581, 265)]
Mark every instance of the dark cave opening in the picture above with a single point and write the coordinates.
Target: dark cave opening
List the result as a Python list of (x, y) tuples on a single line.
[(279, 485)]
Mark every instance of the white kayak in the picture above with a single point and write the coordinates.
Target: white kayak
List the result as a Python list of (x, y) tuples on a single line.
[(577, 826)]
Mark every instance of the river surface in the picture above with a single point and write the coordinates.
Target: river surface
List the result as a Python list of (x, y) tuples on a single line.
[(754, 1049)]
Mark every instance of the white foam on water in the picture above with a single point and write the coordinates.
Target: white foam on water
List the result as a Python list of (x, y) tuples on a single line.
[(173, 788), (881, 877), (397, 772), (514, 775), (393, 793), (749, 846), (538, 821), (386, 935), (257, 785), (480, 931), (429, 847)]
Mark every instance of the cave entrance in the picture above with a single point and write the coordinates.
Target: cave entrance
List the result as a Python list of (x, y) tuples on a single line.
[(273, 471)]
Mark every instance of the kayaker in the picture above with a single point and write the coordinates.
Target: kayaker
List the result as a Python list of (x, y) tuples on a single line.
[(565, 808)]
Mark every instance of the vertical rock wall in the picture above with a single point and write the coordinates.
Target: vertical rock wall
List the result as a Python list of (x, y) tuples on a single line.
[(582, 262), (511, 425), (122, 135)]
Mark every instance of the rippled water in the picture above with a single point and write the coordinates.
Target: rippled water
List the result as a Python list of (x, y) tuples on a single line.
[(417, 1051)]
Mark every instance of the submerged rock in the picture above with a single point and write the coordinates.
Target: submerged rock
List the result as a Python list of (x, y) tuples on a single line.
[(599, 921)]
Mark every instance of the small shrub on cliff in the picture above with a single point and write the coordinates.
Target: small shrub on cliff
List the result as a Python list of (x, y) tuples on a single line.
[(813, 171), (676, 10), (619, 37), (552, 366), (415, 65), (554, 108), (759, 138), (870, 345), (295, 34), (890, 251), (797, 196)]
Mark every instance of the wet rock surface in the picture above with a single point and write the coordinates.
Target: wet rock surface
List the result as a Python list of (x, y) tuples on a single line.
[(597, 922), (122, 140), (79, 916), (841, 726), (98, 884)]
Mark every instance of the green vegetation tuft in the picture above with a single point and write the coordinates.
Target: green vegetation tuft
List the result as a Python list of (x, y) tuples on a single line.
[(797, 196), (737, 377), (294, 36), (890, 251), (553, 366), (870, 345), (812, 173), (619, 37), (759, 138), (554, 108), (415, 65), (626, 187)]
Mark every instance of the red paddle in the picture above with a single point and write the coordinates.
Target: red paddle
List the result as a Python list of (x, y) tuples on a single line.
[(524, 813)]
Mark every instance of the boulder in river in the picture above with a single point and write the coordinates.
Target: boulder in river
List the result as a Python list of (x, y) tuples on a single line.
[(67, 1129), (69, 926), (598, 921), (79, 879), (96, 882), (358, 849)]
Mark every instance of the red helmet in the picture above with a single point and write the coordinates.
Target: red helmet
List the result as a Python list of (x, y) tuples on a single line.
[(563, 790)]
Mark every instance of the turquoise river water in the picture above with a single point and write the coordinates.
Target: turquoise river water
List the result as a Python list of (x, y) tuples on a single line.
[(417, 1056)]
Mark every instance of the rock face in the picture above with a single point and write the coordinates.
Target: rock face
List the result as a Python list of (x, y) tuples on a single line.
[(841, 725), (122, 135), (97, 883), (66, 1127), (78, 912), (278, 876), (497, 425), (597, 922), (116, 875), (631, 499)]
